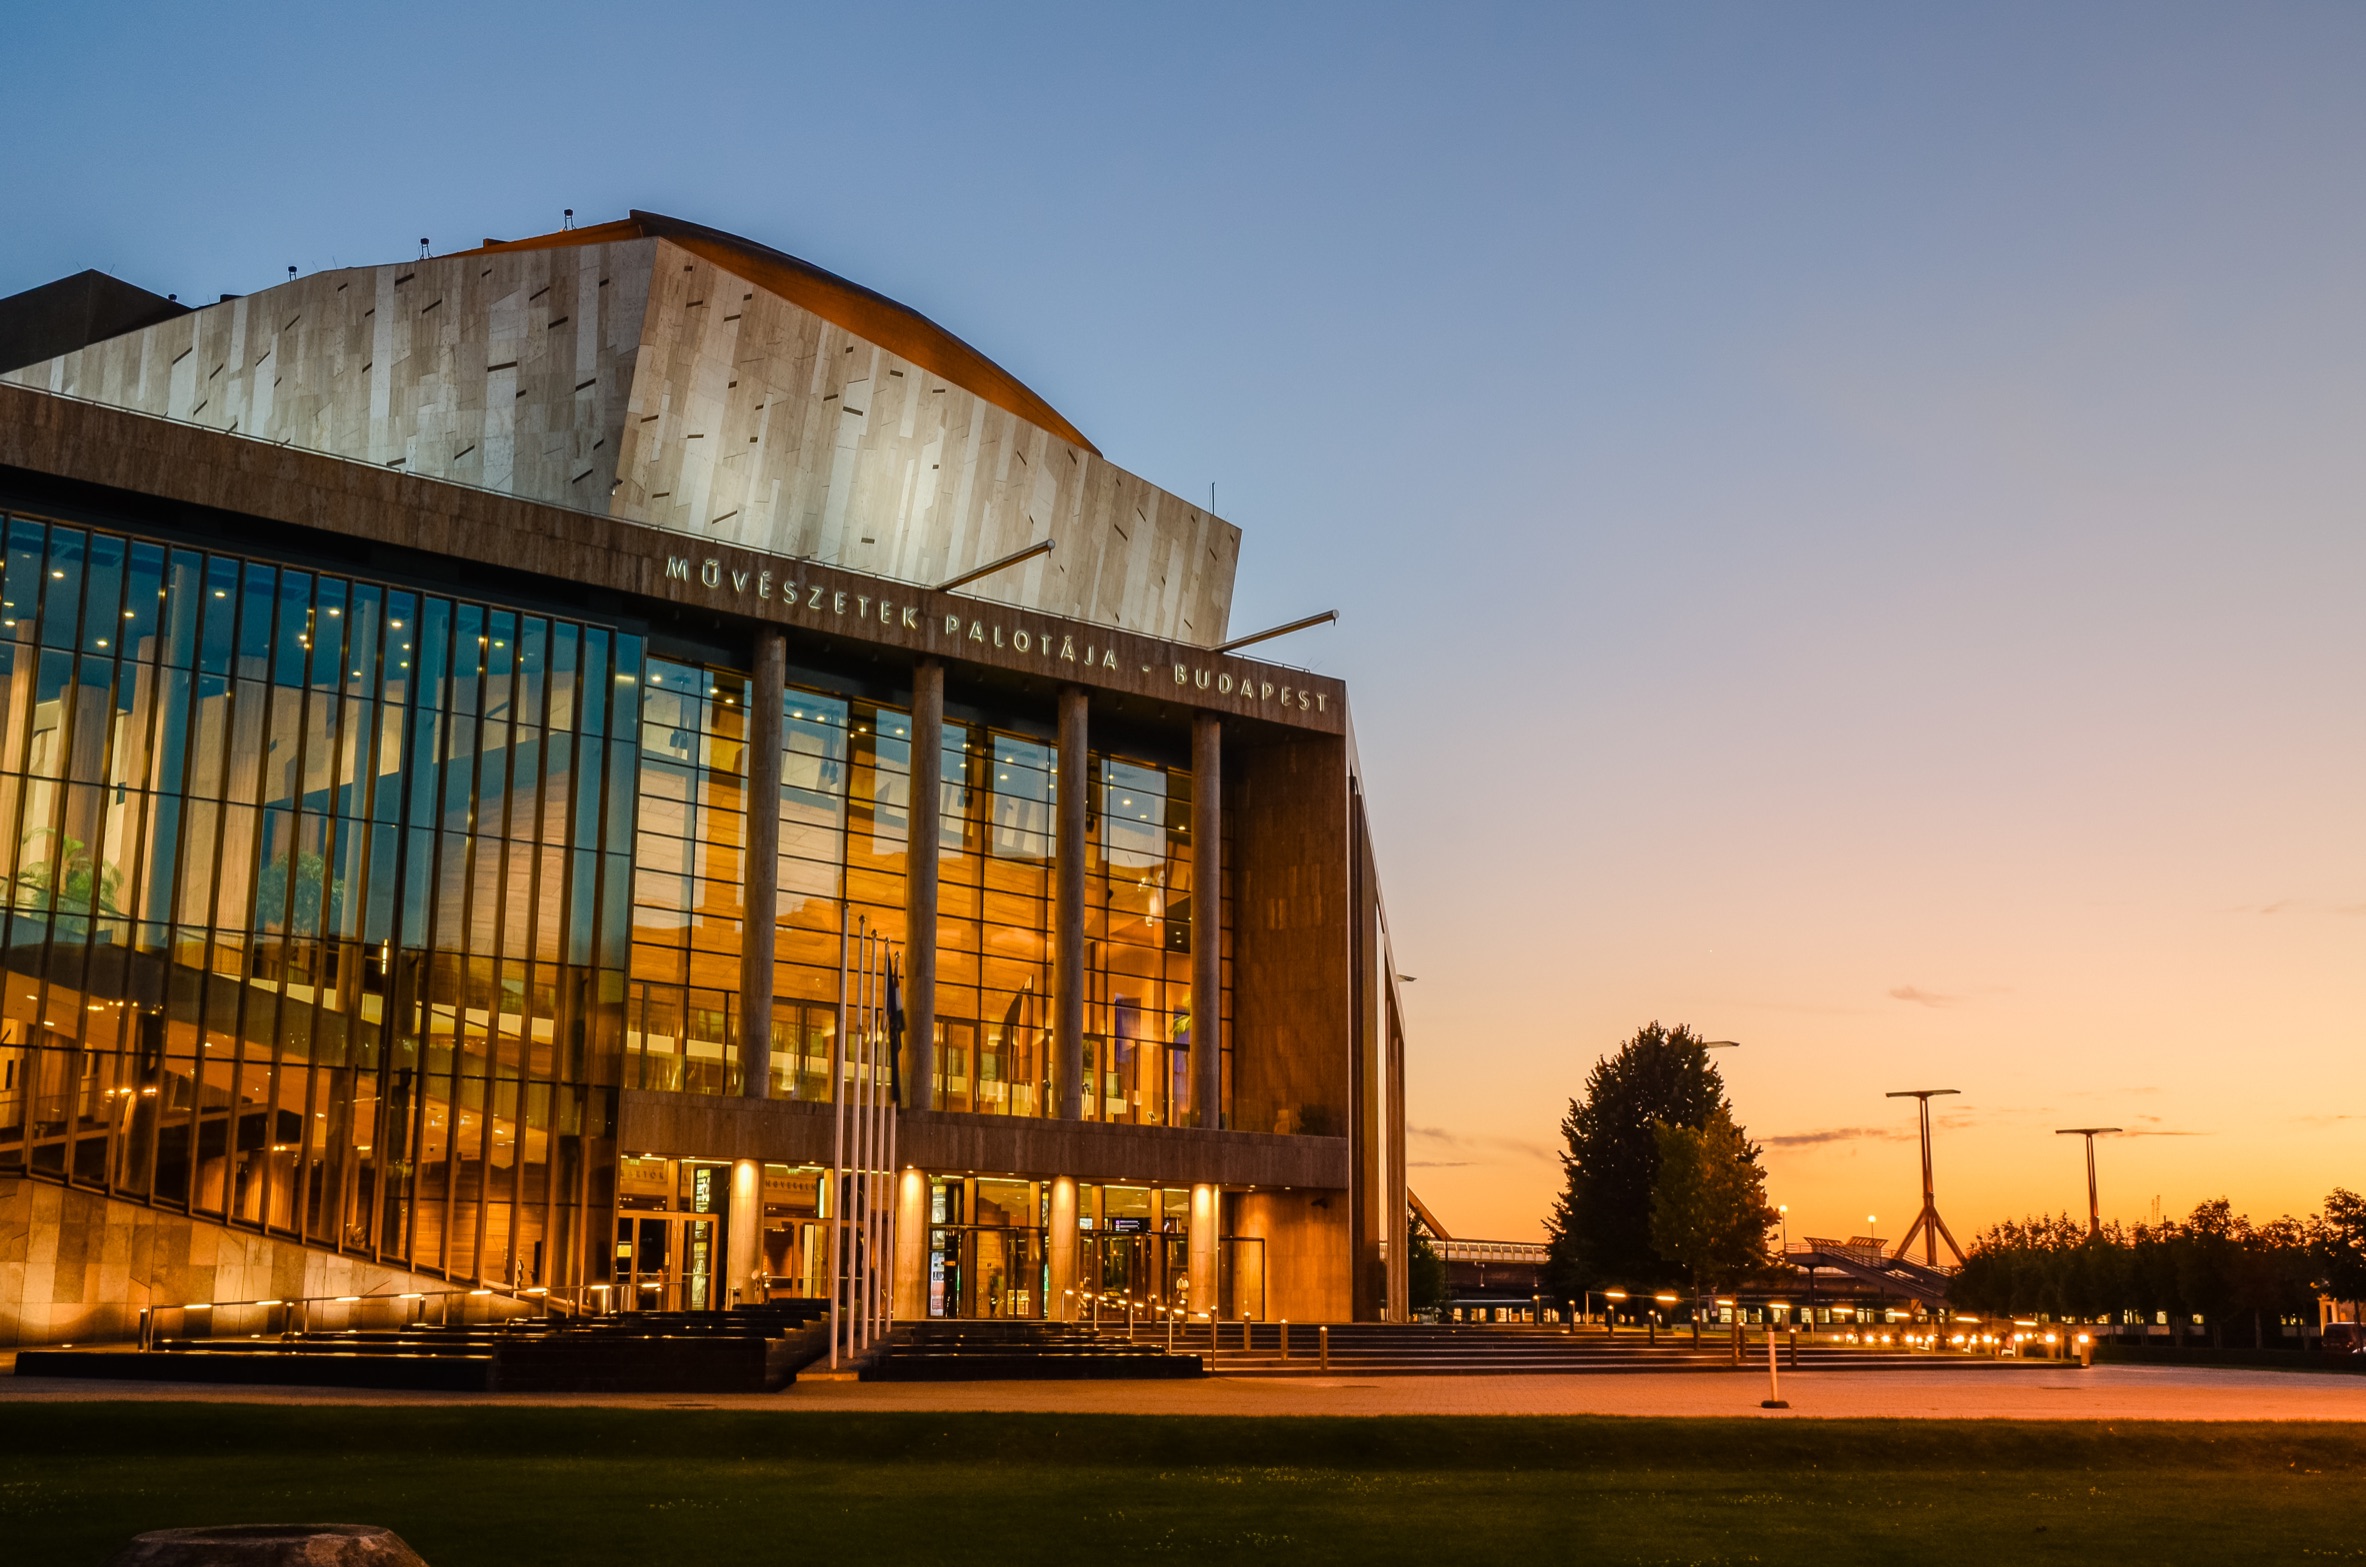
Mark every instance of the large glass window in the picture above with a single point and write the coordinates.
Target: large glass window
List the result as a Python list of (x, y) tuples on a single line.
[(844, 833), (315, 901)]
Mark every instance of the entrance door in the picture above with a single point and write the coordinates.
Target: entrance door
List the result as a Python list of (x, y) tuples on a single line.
[(1149, 1268), (665, 1264), (642, 1255), (986, 1271), (696, 1283)]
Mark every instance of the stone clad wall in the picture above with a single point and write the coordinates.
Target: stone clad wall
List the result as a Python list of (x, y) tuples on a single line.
[(637, 380), (510, 372), (77, 1267), (1307, 1252), (756, 422)]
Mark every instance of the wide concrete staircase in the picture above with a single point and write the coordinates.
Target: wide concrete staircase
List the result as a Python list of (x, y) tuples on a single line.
[(1019, 1351), (1425, 1349), (747, 1350)]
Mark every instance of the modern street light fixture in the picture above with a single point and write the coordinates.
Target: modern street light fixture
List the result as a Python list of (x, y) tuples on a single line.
[(1015, 557), (1927, 1223), (1267, 635), (2090, 1133)]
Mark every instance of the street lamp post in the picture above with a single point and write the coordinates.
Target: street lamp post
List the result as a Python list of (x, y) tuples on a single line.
[(1927, 1223), (2094, 1207)]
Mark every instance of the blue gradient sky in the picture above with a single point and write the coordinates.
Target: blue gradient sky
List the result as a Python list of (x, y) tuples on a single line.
[(1847, 517)]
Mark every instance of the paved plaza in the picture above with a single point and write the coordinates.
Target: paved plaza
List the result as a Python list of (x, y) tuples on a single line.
[(2006, 1393)]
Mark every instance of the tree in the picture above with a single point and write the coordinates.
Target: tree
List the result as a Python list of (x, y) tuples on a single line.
[(1708, 1205), (1425, 1270), (1600, 1227), (314, 888), (71, 879), (2341, 1245), (2208, 1251), (2215, 1263)]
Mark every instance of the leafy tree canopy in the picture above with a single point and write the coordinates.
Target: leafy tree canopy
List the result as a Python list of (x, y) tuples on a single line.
[(1708, 1206), (1600, 1227), (2215, 1264), (2341, 1245), (1425, 1270)]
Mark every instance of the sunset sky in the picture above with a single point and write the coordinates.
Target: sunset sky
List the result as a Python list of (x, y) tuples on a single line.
[(1847, 519)]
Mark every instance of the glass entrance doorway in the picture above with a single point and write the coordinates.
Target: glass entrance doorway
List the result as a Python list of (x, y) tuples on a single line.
[(669, 1234), (665, 1264), (985, 1273), (1137, 1272), (986, 1248)]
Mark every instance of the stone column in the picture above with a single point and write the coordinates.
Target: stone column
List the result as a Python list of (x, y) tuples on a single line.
[(1061, 1246), (743, 1245), (1207, 1215), (1207, 918), (920, 883), (760, 866), (911, 1245), (1074, 789)]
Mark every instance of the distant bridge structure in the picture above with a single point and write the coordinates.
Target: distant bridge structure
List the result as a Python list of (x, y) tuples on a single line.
[(1865, 1259)]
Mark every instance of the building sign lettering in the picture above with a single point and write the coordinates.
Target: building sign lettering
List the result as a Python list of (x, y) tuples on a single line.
[(1036, 641)]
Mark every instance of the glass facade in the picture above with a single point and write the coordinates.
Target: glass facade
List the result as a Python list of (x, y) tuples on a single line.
[(316, 901), (844, 829), (339, 911)]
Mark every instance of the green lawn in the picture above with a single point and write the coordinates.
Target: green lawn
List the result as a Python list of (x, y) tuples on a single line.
[(476, 1487)]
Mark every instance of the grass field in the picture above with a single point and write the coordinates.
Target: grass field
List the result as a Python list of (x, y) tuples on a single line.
[(500, 1487)]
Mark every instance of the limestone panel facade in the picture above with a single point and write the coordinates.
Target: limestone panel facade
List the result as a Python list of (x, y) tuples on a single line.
[(638, 380), (80, 1266)]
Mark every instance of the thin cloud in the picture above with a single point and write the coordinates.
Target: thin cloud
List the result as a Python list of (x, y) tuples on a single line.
[(1921, 997), (2303, 906), (1835, 1134), (2156, 1129), (1456, 1142)]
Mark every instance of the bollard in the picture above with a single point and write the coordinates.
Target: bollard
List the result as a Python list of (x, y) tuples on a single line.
[(1285, 1341), (1795, 1349), (1322, 1342), (1774, 1385)]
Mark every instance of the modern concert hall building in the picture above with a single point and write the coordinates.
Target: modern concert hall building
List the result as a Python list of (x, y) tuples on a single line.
[(474, 730)]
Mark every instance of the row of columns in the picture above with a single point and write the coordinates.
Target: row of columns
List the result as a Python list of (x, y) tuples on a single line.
[(760, 899), (925, 843)]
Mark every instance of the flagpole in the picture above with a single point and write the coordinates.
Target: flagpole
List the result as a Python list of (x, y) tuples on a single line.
[(878, 1099), (870, 1136), (878, 1130), (860, 1210), (838, 1131), (887, 1177)]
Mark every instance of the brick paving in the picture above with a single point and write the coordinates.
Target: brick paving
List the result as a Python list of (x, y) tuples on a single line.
[(2008, 1393)]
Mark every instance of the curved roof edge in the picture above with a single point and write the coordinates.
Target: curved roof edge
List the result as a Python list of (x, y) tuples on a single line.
[(897, 328)]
